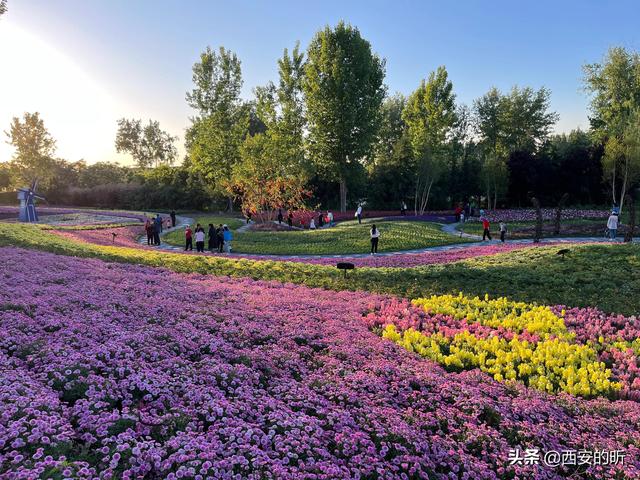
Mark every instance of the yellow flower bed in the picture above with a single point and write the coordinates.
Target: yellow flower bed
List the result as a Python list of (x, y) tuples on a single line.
[(550, 365), (499, 312)]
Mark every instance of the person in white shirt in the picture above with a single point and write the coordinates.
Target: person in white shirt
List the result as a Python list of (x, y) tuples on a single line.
[(312, 224), (359, 213), (330, 217), (375, 235), (612, 225), (200, 239)]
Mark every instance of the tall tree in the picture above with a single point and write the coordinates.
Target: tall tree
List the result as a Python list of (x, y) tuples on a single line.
[(34, 148), (614, 85), (3, 7), (344, 89), (430, 116), (392, 127), (149, 145), (518, 121), (271, 172), (222, 121)]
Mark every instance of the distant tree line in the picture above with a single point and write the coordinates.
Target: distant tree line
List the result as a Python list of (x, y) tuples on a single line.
[(327, 133)]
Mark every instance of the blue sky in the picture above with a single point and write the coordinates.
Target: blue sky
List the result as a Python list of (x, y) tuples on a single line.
[(95, 61)]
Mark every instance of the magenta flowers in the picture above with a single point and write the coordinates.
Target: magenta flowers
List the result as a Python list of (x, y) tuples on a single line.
[(121, 371)]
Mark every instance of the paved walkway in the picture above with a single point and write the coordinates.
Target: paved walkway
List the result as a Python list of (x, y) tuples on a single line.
[(451, 229)]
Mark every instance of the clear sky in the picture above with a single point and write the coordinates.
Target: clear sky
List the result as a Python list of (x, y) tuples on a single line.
[(85, 63)]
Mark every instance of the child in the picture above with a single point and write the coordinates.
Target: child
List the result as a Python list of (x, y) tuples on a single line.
[(503, 231)]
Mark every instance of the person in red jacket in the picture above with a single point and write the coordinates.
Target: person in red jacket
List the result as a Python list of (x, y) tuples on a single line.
[(188, 235), (486, 233)]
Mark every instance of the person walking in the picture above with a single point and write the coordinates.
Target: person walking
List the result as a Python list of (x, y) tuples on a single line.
[(320, 220), (200, 239), (188, 237), (503, 231), (213, 238), (359, 213), (403, 208), (220, 235), (612, 225), (280, 216), (227, 236), (485, 226), (375, 236), (290, 219), (173, 218), (330, 217), (148, 227)]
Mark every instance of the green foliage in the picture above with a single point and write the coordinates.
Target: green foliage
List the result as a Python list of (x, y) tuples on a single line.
[(34, 149), (149, 145), (519, 120), (343, 91), (429, 115), (531, 275), (214, 138)]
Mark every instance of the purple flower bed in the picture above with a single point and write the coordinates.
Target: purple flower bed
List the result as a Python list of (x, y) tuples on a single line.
[(529, 215), (122, 371)]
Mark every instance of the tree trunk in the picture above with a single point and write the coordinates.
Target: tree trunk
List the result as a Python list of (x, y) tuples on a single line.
[(538, 234), (563, 199), (230, 204), (343, 194), (628, 236), (623, 187)]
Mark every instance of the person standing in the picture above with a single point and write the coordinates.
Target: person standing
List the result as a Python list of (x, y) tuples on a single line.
[(157, 229), (458, 213), (312, 224), (403, 208), (213, 238), (359, 213), (375, 236), (227, 236), (330, 217), (485, 226), (320, 220), (503, 231), (612, 225), (280, 216), (148, 227), (200, 239), (290, 219), (188, 237), (220, 234), (173, 218)]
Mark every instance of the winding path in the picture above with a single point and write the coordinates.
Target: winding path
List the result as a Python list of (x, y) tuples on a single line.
[(451, 229)]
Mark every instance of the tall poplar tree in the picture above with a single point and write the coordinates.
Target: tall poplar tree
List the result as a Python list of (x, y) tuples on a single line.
[(343, 89)]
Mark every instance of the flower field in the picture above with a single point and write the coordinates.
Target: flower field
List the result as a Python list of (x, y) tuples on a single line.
[(579, 351), (127, 371)]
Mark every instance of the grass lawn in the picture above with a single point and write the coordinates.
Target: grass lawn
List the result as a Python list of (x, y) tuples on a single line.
[(604, 276), (344, 238)]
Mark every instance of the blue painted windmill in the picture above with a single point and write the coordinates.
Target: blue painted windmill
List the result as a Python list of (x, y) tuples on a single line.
[(28, 197)]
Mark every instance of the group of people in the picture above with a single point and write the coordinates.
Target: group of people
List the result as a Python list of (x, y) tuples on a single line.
[(219, 238), (153, 227)]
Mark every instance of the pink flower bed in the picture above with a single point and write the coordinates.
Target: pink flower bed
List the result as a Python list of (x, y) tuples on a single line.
[(121, 371), (124, 236)]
